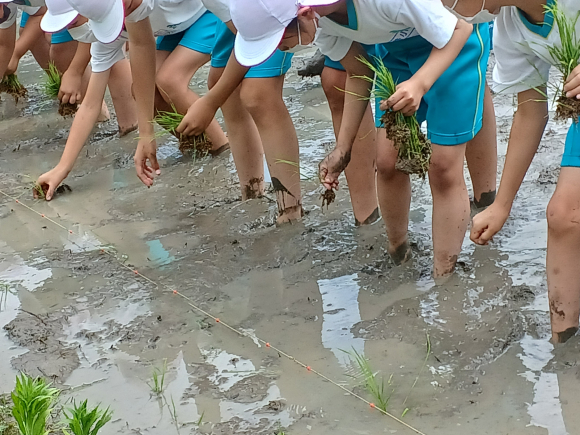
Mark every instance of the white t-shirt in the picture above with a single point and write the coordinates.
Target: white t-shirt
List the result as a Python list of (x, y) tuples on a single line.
[(104, 56), (383, 21), (521, 48), (220, 8), (168, 17)]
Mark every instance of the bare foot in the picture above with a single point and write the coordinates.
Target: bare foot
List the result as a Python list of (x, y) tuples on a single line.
[(220, 150), (400, 254), (124, 131), (104, 115), (289, 215), (374, 217), (564, 336)]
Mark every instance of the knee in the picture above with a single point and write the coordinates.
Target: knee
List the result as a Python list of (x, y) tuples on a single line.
[(563, 216), (332, 83), (444, 174), (167, 84), (258, 101), (386, 160)]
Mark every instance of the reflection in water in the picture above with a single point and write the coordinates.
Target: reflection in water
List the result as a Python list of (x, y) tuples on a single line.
[(14, 270), (546, 409), (341, 313), (430, 310), (157, 253)]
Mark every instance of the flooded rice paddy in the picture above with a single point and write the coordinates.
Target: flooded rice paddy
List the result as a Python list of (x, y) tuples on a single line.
[(72, 309)]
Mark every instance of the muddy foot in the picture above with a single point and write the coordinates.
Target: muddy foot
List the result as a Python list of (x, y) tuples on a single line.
[(313, 66), (290, 214), (485, 201), (125, 131), (374, 217), (401, 254), (563, 337), (220, 150)]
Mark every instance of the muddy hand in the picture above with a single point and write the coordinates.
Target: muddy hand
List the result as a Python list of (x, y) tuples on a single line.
[(146, 152), (572, 85), (49, 181), (70, 88), (332, 166), (407, 98), (487, 224), (197, 119)]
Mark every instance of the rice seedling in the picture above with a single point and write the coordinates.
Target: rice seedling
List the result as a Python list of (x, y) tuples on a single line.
[(414, 150), (369, 380), (199, 422), (52, 87), (419, 375), (197, 144), (157, 383), (12, 86), (32, 400), (80, 420), (328, 197), (566, 57)]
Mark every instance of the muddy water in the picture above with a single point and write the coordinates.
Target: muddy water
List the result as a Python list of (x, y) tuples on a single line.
[(313, 289)]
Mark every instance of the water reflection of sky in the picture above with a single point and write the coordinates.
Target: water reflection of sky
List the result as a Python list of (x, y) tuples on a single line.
[(340, 313)]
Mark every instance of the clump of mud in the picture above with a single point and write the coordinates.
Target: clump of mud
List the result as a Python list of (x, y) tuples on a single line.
[(568, 108), (414, 148), (195, 144), (67, 110), (252, 189), (12, 86), (328, 197)]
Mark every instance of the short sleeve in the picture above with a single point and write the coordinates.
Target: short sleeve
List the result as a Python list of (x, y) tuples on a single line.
[(219, 8), (104, 56), (335, 47), (517, 69), (144, 10), (10, 12), (430, 18)]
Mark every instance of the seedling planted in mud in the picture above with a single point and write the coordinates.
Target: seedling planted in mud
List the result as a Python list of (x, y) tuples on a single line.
[(157, 383), (52, 88), (12, 86), (197, 144), (80, 420), (369, 380), (414, 150), (33, 400)]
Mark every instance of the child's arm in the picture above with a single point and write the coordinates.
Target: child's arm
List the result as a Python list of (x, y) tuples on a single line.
[(409, 94), (85, 120), (356, 97), (7, 42), (143, 71), (202, 112), (526, 133), (27, 40), (71, 85)]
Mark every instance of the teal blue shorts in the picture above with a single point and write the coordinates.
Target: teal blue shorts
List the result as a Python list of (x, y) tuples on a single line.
[(199, 37), (24, 19), (571, 157), (372, 50), (453, 107), (277, 65), (61, 37)]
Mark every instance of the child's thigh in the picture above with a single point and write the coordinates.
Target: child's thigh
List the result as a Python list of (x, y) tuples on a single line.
[(455, 102)]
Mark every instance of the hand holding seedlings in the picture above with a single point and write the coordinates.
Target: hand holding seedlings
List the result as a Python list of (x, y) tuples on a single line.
[(52, 88), (572, 85), (12, 86), (332, 166), (406, 99), (170, 121), (47, 183), (198, 118), (70, 88)]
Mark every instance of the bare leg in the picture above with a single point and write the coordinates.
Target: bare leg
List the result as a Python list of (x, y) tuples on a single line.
[(41, 51), (244, 140), (361, 171), (450, 206), (263, 99), (481, 154), (563, 255), (120, 81), (394, 190), (63, 54), (173, 79)]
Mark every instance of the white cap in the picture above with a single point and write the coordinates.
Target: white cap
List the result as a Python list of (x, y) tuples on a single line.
[(59, 15), (106, 17), (261, 25)]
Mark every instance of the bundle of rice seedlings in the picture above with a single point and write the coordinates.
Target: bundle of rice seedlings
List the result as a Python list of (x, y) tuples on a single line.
[(170, 121), (52, 87), (414, 149), (82, 421), (32, 400), (12, 86), (566, 57)]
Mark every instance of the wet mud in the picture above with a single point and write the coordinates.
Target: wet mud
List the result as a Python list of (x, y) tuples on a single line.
[(67, 110), (73, 309)]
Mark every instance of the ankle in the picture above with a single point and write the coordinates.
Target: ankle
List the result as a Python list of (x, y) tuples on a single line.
[(400, 253)]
